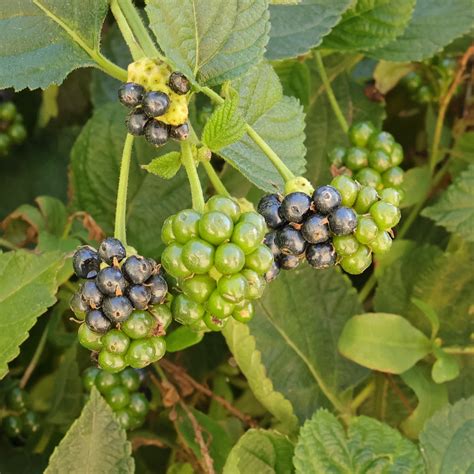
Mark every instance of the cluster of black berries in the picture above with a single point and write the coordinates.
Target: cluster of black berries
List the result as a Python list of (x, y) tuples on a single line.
[(152, 111), (20, 423), (12, 130), (122, 304)]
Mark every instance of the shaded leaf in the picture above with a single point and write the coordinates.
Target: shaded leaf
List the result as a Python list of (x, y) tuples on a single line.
[(446, 367), (295, 78), (182, 338), (387, 74), (165, 166), (416, 185)]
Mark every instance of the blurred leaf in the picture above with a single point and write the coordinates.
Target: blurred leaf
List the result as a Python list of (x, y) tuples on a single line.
[(387, 74), (428, 311), (165, 166), (295, 78), (180, 468), (416, 185), (49, 106), (182, 338), (446, 367), (463, 153)]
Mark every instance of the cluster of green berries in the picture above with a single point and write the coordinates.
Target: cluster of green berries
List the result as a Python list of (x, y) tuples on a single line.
[(219, 261), (21, 423), (122, 304), (430, 80), (158, 102), (121, 392), (12, 130), (373, 158)]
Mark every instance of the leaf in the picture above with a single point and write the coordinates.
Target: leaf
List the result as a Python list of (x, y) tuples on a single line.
[(44, 53), (260, 451), (446, 367), (211, 41), (94, 443), (369, 446), (298, 28), (455, 208), (95, 162), (165, 166), (182, 338), (295, 330), (433, 26), (431, 397), (384, 342), (462, 153), (448, 437), (295, 78), (27, 288), (387, 74), (416, 185), (430, 314), (49, 106), (370, 24), (278, 119)]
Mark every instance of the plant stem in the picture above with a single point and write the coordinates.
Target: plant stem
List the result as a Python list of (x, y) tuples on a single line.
[(35, 359), (193, 178), (367, 288), (121, 208), (8, 245), (129, 37), (214, 179), (458, 350), (363, 395), (332, 98), (102, 63)]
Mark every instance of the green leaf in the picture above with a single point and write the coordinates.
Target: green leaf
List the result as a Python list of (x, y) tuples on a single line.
[(44, 53), (260, 451), (27, 288), (430, 313), (278, 119), (416, 185), (298, 28), (433, 26), (387, 74), (455, 208), (462, 153), (165, 166), (370, 24), (182, 338), (211, 41), (384, 342), (431, 397), (94, 443), (295, 78), (369, 446), (448, 437), (225, 126), (95, 163), (446, 367), (180, 468)]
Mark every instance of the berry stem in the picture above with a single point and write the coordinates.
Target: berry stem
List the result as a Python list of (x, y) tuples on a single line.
[(458, 350), (362, 396), (214, 179), (121, 209), (332, 98), (196, 190), (35, 359), (284, 171)]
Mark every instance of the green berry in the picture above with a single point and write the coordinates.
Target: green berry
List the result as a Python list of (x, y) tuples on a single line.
[(260, 260), (159, 346), (31, 423), (167, 234), (243, 312), (118, 397), (109, 362), (5, 143), (256, 219), (172, 261), (348, 189), (89, 376), (360, 133), (213, 323), (396, 157), (382, 141), (369, 177), (358, 262), (391, 196), (233, 288), (130, 379), (186, 225), (379, 160), (116, 341), (424, 95), (385, 215), (345, 244), (140, 353), (366, 197), (366, 230), (105, 381), (139, 324), (185, 310), (162, 315), (356, 158), (247, 237), (198, 256), (124, 418), (393, 178), (216, 227), (17, 133), (138, 405), (199, 326), (12, 426), (199, 287), (412, 81), (255, 284), (17, 399), (229, 258), (337, 156), (382, 243), (225, 205), (7, 111), (218, 306)]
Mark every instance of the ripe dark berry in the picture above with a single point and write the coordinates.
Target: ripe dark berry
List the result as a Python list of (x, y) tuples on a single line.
[(97, 322), (295, 206), (289, 262), (180, 132), (111, 282), (343, 221), (139, 296), (111, 249), (136, 122), (137, 269), (131, 94), (179, 83), (271, 274), (290, 241), (269, 207), (156, 132), (91, 295), (156, 103), (269, 241), (86, 262), (117, 308), (327, 199), (158, 288), (321, 255), (315, 229)]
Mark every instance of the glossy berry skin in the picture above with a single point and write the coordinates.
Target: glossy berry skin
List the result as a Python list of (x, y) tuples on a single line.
[(219, 307), (116, 342), (117, 308), (111, 282), (321, 256), (379, 160), (158, 289), (366, 197), (391, 195), (326, 199), (385, 215), (198, 256), (179, 132), (112, 363), (289, 262), (269, 241), (366, 230), (215, 227), (213, 323), (138, 405), (358, 262), (17, 399), (396, 157), (118, 397), (124, 419), (137, 121), (290, 241), (382, 141), (31, 423), (167, 234), (247, 237), (111, 249), (369, 177), (272, 272), (89, 339), (131, 94), (343, 221), (315, 229), (233, 288), (12, 426), (345, 244), (185, 310), (97, 322), (137, 269), (89, 376), (91, 295), (78, 306), (268, 208), (106, 381), (139, 296), (199, 287), (86, 262), (255, 219), (159, 346), (381, 244), (260, 260), (229, 259), (295, 206), (140, 353), (393, 178), (336, 156), (130, 379), (155, 103), (186, 225), (255, 284), (139, 324), (179, 83), (225, 205), (347, 188), (360, 133), (356, 158), (156, 132), (243, 312), (162, 315)]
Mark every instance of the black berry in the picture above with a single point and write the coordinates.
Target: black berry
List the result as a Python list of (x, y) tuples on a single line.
[(117, 308), (91, 295), (290, 241), (158, 288), (326, 199), (131, 94), (111, 282), (179, 83), (86, 262), (136, 122), (139, 296), (137, 269), (289, 262), (156, 103), (315, 229), (111, 250), (343, 221), (294, 207), (271, 274), (269, 207), (156, 132), (269, 241), (321, 255), (180, 132), (97, 322)]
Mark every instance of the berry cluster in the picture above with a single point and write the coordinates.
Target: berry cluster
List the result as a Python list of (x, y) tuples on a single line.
[(157, 97), (122, 304), (373, 158), (21, 423), (12, 130), (121, 393), (219, 260)]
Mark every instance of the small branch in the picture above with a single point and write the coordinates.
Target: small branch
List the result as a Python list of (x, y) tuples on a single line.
[(399, 393), (193, 177), (132, 42), (459, 350), (362, 396), (367, 288), (35, 359), (7, 245), (214, 179)]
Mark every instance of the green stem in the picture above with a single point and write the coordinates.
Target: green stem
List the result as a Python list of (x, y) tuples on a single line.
[(362, 396), (458, 350), (367, 288), (35, 359), (121, 208), (214, 179), (193, 178), (332, 98), (8, 245), (102, 62)]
